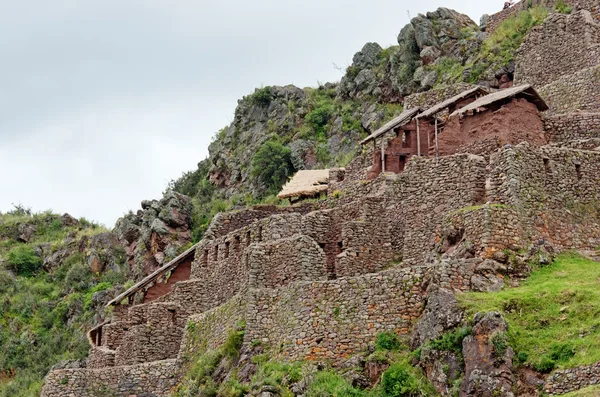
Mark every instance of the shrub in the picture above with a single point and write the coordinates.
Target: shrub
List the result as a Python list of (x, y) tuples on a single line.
[(23, 260), (387, 341), (451, 341), (262, 96), (500, 343), (328, 383), (545, 365), (272, 164), (561, 352), (562, 7), (233, 344), (397, 381)]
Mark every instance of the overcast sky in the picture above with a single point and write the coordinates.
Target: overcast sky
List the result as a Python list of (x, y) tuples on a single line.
[(103, 102)]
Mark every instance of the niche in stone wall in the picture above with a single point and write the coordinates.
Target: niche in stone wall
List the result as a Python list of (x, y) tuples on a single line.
[(578, 171), (226, 255), (547, 165), (236, 243), (205, 257), (216, 257), (248, 238)]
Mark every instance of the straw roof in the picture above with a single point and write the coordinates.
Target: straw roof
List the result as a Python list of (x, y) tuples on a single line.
[(451, 101), (402, 119), (525, 90), (154, 275), (306, 183)]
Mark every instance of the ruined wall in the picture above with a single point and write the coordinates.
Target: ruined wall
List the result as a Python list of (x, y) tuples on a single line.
[(151, 379), (577, 92), (280, 262), (427, 99), (555, 191), (335, 319), (226, 222), (430, 188), (210, 329), (573, 126), (162, 287), (516, 121), (154, 334), (562, 45), (568, 380)]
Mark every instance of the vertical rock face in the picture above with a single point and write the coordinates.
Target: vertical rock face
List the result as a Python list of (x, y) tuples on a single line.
[(441, 314), (488, 358), (156, 233)]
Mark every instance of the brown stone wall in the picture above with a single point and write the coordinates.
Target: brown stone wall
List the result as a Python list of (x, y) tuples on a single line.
[(572, 126), (151, 379), (555, 191), (337, 318), (280, 262), (577, 92), (562, 45), (428, 189), (516, 121), (100, 357), (569, 380)]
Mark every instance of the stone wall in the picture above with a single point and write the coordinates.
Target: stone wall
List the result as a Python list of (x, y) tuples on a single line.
[(210, 329), (562, 45), (573, 93), (280, 262), (555, 191), (568, 380), (428, 99), (572, 126), (337, 318), (151, 379), (429, 188)]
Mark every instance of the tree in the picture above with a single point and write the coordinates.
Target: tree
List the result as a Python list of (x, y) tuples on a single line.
[(272, 164)]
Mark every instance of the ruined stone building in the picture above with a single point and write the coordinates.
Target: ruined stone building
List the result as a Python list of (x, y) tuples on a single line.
[(319, 280)]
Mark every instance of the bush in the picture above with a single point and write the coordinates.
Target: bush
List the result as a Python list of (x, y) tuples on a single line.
[(500, 343), (398, 381), (272, 164), (262, 96), (562, 7), (545, 365), (387, 341), (451, 341), (23, 260), (561, 352)]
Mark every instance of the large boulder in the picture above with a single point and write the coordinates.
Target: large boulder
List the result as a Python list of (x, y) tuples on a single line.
[(488, 358), (441, 314)]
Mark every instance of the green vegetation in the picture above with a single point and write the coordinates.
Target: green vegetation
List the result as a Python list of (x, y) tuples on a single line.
[(497, 50), (387, 341), (262, 96), (450, 341), (272, 164), (43, 316), (554, 316), (563, 7), (592, 391)]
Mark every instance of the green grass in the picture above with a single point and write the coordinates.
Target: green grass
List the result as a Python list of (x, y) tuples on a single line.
[(592, 391), (553, 317)]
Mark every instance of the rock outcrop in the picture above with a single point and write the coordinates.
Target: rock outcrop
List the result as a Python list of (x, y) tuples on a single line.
[(156, 233)]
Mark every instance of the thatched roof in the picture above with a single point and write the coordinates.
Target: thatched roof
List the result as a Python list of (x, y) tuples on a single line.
[(154, 275), (525, 91), (451, 101), (306, 183), (404, 117)]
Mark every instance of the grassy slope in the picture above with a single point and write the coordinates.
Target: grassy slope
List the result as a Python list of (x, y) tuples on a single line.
[(592, 391), (43, 316), (554, 316)]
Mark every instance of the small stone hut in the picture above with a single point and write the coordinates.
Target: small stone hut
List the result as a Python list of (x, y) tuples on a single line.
[(509, 116), (305, 184)]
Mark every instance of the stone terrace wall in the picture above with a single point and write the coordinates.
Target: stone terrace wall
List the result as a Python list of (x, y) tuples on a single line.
[(280, 262), (432, 97), (226, 222), (428, 189), (555, 191), (573, 126), (562, 45), (335, 319), (577, 92), (210, 329), (151, 379), (568, 380)]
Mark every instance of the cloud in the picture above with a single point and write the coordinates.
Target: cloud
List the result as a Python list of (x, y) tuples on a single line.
[(103, 102)]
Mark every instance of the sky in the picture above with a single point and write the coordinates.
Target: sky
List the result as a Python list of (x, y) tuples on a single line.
[(102, 103)]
